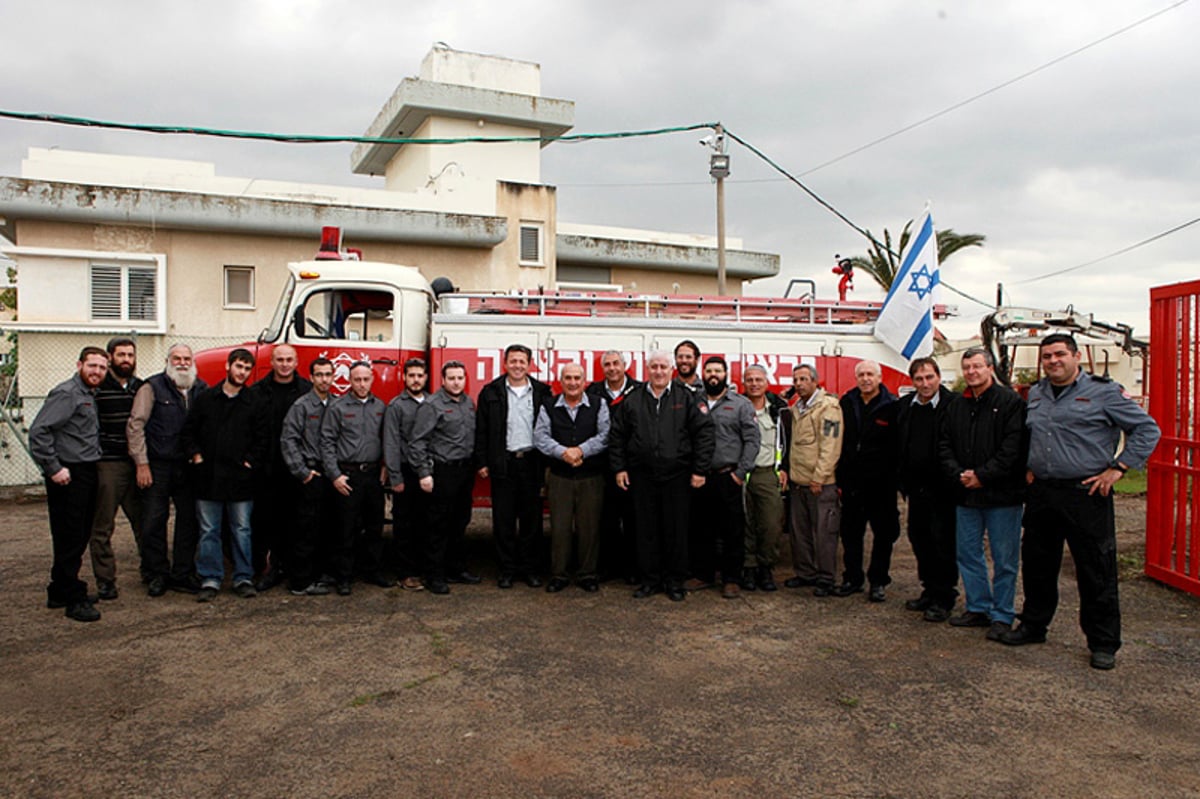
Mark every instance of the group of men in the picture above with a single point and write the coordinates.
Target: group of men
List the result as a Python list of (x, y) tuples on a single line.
[(676, 484), (975, 468)]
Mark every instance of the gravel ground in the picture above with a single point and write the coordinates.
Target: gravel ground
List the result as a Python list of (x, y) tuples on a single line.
[(490, 693)]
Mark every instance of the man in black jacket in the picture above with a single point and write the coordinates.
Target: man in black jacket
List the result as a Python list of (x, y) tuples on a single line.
[(982, 448), (618, 529), (660, 446), (225, 438), (866, 475), (504, 452), (930, 495), (276, 495)]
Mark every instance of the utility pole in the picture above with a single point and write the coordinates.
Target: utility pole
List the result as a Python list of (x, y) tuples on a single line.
[(718, 168)]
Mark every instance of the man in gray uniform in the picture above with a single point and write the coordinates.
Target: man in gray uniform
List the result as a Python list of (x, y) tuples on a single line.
[(410, 505), (720, 520), (1075, 423), (441, 451), (65, 442), (352, 454), (300, 447)]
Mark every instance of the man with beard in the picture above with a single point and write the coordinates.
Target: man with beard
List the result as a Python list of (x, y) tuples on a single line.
[(225, 438), (618, 535), (64, 441), (156, 421), (410, 505), (352, 454), (116, 482), (275, 497), (661, 446), (719, 526), (687, 361), (300, 446), (443, 440)]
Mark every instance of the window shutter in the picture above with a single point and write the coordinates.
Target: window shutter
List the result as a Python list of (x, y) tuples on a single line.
[(106, 292), (143, 293), (531, 240)]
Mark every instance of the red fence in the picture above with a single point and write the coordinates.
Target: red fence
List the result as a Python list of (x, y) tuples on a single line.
[(1173, 499)]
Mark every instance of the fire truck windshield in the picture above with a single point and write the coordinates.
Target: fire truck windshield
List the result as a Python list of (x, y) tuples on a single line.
[(273, 331)]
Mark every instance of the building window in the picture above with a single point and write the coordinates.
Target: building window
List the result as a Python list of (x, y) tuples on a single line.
[(239, 287), (531, 244), (123, 293)]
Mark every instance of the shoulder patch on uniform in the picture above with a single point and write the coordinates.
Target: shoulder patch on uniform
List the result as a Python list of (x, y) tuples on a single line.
[(830, 428)]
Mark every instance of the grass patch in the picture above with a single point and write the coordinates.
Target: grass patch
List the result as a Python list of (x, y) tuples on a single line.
[(1134, 482), (848, 701)]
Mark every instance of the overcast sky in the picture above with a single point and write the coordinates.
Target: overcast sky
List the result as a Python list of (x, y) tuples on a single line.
[(1087, 157)]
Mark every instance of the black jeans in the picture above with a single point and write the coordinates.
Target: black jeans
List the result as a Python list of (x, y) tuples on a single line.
[(1055, 513), (718, 539), (172, 484), (311, 540), (931, 533), (877, 507), (70, 507), (273, 520), (517, 515)]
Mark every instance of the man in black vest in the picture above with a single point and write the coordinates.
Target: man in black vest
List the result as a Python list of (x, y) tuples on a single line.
[(116, 483), (156, 420), (572, 432), (505, 453)]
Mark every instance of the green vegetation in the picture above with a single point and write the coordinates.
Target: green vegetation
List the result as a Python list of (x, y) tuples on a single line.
[(1134, 482), (882, 263)]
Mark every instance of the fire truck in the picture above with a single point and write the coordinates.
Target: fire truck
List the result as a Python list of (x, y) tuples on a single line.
[(346, 309)]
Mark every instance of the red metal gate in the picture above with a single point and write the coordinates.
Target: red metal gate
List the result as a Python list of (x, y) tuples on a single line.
[(1173, 492)]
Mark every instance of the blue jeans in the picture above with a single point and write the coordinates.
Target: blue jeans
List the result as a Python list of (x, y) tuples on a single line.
[(210, 560), (994, 597)]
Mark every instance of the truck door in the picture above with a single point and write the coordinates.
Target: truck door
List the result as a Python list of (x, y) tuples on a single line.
[(349, 323)]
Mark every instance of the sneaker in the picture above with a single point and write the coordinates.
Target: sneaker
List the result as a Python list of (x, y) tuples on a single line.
[(206, 594), (970, 618), (1024, 634), (85, 611), (312, 589), (998, 629), (1104, 661), (245, 590)]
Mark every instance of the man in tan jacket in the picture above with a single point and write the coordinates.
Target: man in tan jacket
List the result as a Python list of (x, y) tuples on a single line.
[(812, 443)]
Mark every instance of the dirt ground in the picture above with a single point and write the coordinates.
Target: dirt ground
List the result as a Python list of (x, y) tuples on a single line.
[(490, 693)]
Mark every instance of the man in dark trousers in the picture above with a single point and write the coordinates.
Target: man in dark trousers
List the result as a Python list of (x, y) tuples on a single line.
[(441, 453), (155, 433), (410, 505), (661, 446), (64, 440), (352, 454), (115, 476), (300, 445), (618, 554), (572, 432), (275, 495), (930, 495), (1075, 422), (866, 475), (225, 437), (505, 454)]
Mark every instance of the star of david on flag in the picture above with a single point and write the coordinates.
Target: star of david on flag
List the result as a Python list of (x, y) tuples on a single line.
[(905, 322)]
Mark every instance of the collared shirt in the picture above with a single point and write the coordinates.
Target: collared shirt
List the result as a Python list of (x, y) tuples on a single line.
[(397, 433), (931, 402), (545, 442), (621, 390), (519, 435), (67, 428), (737, 435), (768, 432), (443, 431), (300, 442), (352, 431), (1076, 434)]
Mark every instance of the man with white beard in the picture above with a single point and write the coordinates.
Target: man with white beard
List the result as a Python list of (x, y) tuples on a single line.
[(155, 423)]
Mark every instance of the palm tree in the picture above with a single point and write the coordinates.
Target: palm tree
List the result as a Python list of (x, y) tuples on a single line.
[(883, 262)]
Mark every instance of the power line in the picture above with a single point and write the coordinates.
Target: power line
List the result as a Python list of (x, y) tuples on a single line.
[(1121, 251)]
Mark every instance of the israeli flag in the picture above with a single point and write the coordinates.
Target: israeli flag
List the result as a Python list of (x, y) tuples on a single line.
[(905, 322)]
